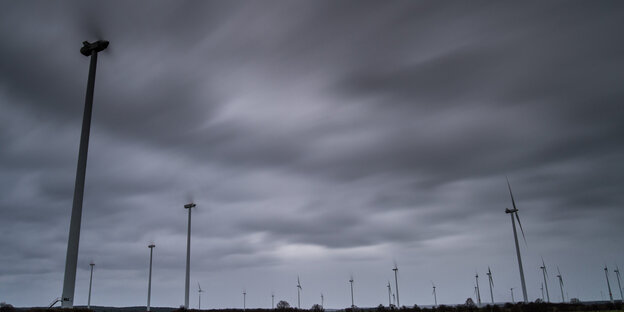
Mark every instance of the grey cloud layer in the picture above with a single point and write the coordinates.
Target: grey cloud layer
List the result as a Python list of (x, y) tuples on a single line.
[(318, 138)]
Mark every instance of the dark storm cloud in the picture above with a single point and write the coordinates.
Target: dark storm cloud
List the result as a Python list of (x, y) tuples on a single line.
[(318, 138)]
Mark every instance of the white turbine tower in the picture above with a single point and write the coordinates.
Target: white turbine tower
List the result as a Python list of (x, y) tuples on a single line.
[(617, 275), (199, 291), (188, 256), (149, 280), (478, 291), (545, 273), (560, 284), (298, 293), (90, 282), (513, 212), (389, 295), (396, 285), (322, 300), (489, 274), (351, 282), (435, 296), (608, 284)]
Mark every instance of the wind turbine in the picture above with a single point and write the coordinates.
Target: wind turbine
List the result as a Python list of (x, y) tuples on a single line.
[(394, 299), (389, 293), (608, 284), (512, 297), (90, 280), (199, 291), (560, 284), (188, 256), (396, 284), (617, 274), (542, 289), (149, 281), (513, 212), (545, 273), (435, 297), (71, 258), (322, 300), (272, 301), (298, 293), (244, 299), (478, 292), (489, 274), (351, 282)]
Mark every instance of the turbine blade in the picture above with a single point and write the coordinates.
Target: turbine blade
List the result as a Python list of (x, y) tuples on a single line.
[(511, 194), (521, 229)]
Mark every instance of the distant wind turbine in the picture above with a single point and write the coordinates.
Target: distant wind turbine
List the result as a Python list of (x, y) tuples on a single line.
[(389, 293), (244, 299), (512, 297), (188, 256), (513, 212), (542, 289), (608, 284), (489, 274), (545, 273), (199, 291), (617, 275), (396, 284), (435, 297), (272, 301), (322, 300), (90, 281), (298, 293), (478, 291), (560, 284), (149, 281), (351, 282)]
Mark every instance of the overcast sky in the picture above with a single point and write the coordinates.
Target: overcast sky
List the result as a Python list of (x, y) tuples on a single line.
[(318, 138)]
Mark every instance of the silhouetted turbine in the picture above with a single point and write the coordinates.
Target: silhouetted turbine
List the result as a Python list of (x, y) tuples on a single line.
[(71, 259), (90, 282), (513, 212), (188, 256)]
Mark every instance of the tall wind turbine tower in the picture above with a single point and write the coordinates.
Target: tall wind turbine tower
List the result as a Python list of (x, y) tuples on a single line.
[(608, 284), (489, 274), (617, 275), (351, 282), (478, 291), (560, 284), (298, 293), (435, 296), (149, 280), (272, 301), (71, 259), (513, 212), (389, 293), (244, 299), (199, 290), (188, 256), (322, 300), (90, 282), (542, 289), (396, 285), (545, 273), (512, 297)]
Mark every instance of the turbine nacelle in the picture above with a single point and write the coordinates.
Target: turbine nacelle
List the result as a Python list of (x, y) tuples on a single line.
[(507, 210), (95, 47), (191, 205)]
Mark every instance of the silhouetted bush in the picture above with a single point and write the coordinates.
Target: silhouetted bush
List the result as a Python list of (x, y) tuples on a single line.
[(5, 307), (283, 305)]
